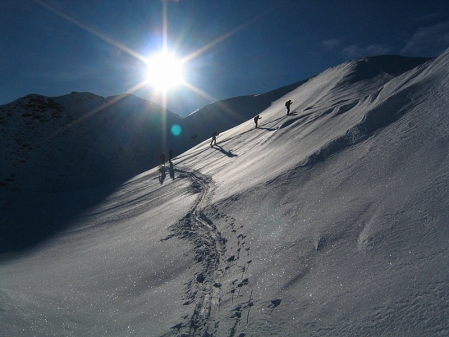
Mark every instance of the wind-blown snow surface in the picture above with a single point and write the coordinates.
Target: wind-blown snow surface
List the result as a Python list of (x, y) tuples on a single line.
[(332, 221)]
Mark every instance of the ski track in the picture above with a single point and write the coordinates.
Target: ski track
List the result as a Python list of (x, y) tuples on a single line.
[(205, 290)]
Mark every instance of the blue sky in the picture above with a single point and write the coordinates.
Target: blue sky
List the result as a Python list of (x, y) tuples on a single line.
[(235, 47)]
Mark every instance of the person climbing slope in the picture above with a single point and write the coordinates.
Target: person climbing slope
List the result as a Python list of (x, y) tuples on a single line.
[(256, 120), (214, 138), (287, 105)]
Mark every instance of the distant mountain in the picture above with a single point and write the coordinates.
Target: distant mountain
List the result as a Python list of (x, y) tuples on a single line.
[(80, 140)]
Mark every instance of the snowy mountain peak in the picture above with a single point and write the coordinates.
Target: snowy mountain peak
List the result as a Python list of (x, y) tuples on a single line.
[(389, 66)]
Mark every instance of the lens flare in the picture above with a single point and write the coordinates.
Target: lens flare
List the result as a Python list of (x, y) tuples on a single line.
[(176, 130)]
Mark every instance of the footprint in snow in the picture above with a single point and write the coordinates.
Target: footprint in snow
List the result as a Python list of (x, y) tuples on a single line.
[(274, 303)]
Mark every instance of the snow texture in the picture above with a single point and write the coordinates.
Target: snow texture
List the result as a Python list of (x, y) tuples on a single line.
[(329, 221)]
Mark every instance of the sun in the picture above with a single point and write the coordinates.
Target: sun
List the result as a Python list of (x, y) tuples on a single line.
[(164, 71)]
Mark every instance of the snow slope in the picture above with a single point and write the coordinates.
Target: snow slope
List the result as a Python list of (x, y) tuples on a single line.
[(225, 114), (332, 221), (80, 142)]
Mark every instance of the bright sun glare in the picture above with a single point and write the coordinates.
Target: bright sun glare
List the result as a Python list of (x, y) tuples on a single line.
[(164, 71)]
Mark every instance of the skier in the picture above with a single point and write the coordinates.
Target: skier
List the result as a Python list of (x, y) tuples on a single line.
[(287, 105), (162, 156), (170, 155), (214, 138), (256, 119)]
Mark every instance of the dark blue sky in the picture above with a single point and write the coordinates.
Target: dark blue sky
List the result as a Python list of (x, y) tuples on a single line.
[(54, 47)]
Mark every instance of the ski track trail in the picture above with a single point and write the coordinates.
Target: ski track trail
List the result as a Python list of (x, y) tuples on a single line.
[(216, 289), (205, 290)]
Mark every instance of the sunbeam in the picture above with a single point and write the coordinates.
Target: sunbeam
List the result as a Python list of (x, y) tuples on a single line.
[(198, 91), (94, 111), (161, 74), (92, 31), (224, 37)]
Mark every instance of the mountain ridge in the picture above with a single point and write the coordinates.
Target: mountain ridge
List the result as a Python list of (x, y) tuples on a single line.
[(72, 110)]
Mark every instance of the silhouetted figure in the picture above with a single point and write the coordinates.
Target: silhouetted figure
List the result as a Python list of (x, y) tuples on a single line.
[(287, 105), (162, 174), (214, 138), (170, 155), (162, 156), (256, 119), (172, 171)]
